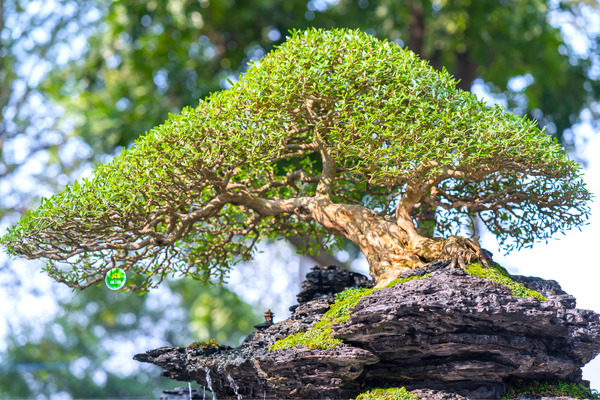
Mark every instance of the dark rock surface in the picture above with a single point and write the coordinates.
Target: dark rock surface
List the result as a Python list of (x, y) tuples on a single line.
[(259, 373), (464, 333), (437, 395), (548, 289), (451, 334), (324, 282)]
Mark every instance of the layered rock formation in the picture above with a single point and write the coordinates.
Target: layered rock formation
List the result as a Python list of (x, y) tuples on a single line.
[(450, 332)]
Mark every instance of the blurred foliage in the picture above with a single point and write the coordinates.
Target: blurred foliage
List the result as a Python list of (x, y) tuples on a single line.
[(215, 312), (149, 58), (71, 353), (220, 314), (82, 351), (33, 41)]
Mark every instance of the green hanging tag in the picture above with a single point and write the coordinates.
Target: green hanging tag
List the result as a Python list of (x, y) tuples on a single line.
[(115, 279)]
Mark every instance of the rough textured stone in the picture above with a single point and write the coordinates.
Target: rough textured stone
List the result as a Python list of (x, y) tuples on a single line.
[(549, 289), (324, 282), (453, 328), (258, 373), (437, 395), (545, 398), (451, 334), (304, 317)]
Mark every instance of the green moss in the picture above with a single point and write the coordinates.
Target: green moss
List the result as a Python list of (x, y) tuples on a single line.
[(204, 344), (387, 394), (316, 338), (546, 389), (496, 273), (403, 280), (344, 301), (319, 336)]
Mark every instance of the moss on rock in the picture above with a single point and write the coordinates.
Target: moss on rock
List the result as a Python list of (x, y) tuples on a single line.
[(319, 336), (555, 390), (496, 273), (387, 394), (205, 344), (403, 280)]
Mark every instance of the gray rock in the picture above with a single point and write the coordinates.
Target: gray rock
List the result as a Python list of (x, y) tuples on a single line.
[(260, 373), (324, 282), (452, 327), (436, 395), (549, 289), (451, 334)]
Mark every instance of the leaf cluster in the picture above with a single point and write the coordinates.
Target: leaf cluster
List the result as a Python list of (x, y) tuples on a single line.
[(134, 73)]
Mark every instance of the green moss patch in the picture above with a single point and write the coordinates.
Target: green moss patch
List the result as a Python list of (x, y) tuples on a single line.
[(387, 394), (205, 344), (496, 273), (557, 390), (319, 336)]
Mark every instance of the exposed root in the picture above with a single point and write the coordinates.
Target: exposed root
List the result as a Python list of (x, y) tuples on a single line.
[(458, 250), (386, 265), (469, 253)]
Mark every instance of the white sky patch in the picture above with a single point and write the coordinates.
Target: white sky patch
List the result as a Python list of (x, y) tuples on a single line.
[(520, 83)]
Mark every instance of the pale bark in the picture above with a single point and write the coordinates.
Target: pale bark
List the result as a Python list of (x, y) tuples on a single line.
[(390, 246)]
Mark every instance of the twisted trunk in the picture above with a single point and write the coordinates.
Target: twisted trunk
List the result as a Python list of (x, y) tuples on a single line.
[(390, 246)]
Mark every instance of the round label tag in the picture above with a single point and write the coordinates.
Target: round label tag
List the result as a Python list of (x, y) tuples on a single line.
[(115, 279)]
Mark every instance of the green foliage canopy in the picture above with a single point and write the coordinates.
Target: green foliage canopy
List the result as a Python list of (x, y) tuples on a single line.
[(328, 116)]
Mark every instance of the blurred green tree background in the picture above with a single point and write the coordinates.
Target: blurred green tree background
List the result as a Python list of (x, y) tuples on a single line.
[(80, 79)]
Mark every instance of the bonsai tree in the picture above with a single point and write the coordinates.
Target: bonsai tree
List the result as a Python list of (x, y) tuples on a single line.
[(333, 134)]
